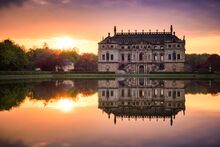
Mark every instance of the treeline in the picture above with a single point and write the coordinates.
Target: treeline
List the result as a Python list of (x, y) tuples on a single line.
[(13, 94), (14, 58), (202, 62)]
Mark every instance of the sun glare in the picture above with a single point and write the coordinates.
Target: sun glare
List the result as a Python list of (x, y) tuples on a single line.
[(65, 43), (65, 105)]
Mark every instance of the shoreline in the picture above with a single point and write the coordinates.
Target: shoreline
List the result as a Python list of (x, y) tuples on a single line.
[(52, 75)]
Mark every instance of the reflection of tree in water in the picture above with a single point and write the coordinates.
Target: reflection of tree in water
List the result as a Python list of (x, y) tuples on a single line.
[(57, 89), (203, 87), (86, 87), (12, 95)]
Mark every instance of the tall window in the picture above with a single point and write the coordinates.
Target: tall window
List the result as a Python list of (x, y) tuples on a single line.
[(178, 56), (161, 57), (169, 57), (155, 57), (107, 56), (112, 57), (112, 93), (122, 93), (103, 93), (122, 57), (141, 56), (129, 57), (129, 92), (103, 57), (174, 56)]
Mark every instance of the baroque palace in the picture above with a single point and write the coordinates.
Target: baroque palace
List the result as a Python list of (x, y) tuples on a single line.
[(141, 52), (141, 98)]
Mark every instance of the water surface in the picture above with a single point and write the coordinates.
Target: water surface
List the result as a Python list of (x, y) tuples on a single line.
[(121, 112)]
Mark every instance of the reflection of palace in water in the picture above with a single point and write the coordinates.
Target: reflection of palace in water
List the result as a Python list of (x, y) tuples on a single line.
[(142, 98)]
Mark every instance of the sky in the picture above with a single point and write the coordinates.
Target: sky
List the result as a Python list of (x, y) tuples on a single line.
[(83, 23)]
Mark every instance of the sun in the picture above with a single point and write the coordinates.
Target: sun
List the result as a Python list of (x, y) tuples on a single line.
[(65, 105), (65, 42)]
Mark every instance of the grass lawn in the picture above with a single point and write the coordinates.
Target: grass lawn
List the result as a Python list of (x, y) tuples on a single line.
[(20, 75)]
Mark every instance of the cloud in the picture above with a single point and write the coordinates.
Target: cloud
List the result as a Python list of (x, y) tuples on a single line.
[(8, 3)]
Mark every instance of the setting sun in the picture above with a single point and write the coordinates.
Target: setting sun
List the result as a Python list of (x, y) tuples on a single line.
[(64, 42), (65, 105)]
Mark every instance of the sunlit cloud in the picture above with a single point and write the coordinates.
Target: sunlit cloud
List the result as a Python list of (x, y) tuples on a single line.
[(87, 21)]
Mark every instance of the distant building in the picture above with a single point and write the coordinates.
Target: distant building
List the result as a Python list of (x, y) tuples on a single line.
[(141, 98), (66, 65), (141, 52)]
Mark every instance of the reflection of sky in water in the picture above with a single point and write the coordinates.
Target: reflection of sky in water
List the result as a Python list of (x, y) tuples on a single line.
[(78, 122)]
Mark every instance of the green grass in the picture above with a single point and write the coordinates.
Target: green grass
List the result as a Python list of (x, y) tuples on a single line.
[(61, 75)]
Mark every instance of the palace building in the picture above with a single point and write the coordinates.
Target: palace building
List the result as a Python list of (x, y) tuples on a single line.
[(141, 98), (141, 52)]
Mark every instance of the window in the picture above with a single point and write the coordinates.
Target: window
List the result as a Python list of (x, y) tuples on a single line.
[(103, 46), (178, 56), (178, 93), (122, 93), (112, 93), (111, 46), (103, 93), (107, 56), (174, 94), (169, 94), (112, 57), (155, 57), (107, 94), (161, 92), (169, 46), (178, 45), (137, 47), (174, 56), (103, 57), (141, 93), (155, 91), (169, 56), (122, 57), (122, 47), (141, 56), (161, 57), (129, 57), (141, 82), (129, 92)]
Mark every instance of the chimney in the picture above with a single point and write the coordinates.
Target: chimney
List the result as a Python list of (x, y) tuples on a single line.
[(115, 30), (171, 29)]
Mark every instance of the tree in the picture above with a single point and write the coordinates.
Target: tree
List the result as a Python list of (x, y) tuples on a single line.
[(46, 59), (87, 62), (12, 56)]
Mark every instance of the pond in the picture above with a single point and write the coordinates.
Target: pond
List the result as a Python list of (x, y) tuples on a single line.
[(121, 112)]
